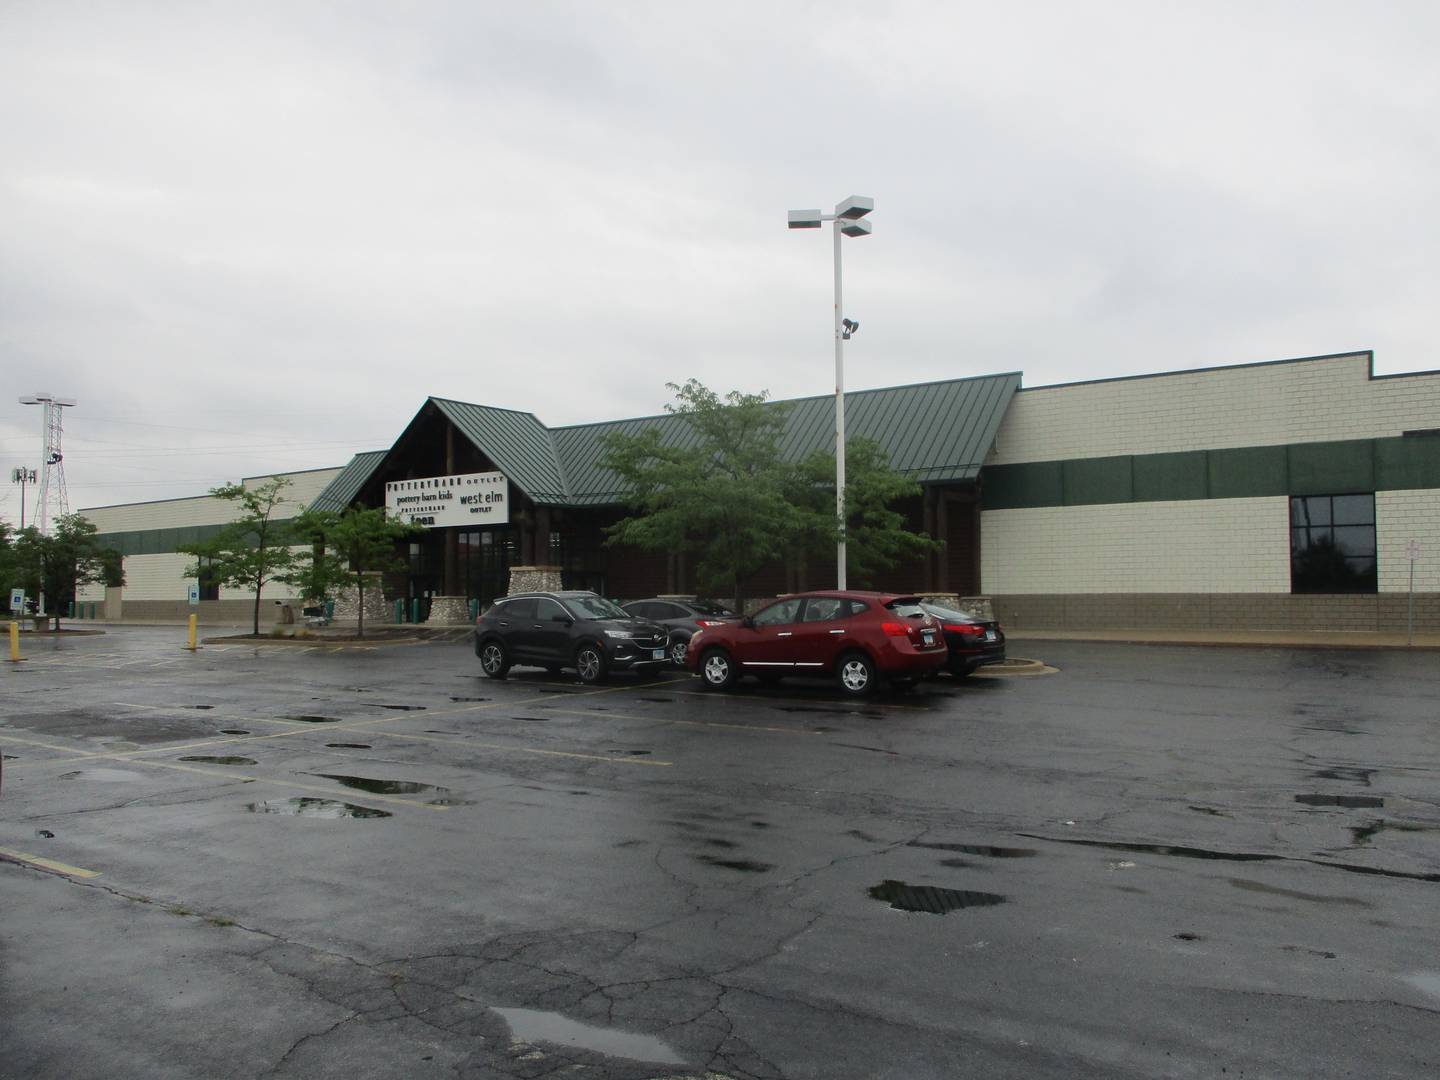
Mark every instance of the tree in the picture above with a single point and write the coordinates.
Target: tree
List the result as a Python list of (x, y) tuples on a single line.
[(876, 537), (60, 563), (346, 548), (720, 495), (254, 549)]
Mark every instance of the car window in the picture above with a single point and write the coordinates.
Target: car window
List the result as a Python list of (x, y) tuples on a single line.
[(949, 615), (907, 607), (857, 606), (825, 608), (548, 609), (596, 607), (778, 614), (709, 607), (517, 609), (641, 609)]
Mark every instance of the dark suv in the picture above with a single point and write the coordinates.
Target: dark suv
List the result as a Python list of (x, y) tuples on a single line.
[(554, 630), (681, 619)]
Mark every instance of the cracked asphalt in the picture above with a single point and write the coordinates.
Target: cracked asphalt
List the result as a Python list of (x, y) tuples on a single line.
[(281, 861)]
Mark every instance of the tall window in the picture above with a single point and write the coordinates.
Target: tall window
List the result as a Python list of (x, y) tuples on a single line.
[(1332, 543)]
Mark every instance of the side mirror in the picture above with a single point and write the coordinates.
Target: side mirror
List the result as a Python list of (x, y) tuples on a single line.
[(565, 619)]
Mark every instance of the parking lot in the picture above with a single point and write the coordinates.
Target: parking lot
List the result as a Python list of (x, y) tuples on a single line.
[(295, 861)]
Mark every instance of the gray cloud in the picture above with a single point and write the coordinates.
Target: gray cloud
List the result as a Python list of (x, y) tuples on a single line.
[(276, 228)]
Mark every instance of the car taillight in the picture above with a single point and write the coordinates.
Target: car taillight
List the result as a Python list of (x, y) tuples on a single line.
[(895, 629), (708, 622), (968, 629)]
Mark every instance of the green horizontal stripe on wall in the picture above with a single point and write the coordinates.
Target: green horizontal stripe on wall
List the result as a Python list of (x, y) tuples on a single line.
[(1324, 468), (156, 541)]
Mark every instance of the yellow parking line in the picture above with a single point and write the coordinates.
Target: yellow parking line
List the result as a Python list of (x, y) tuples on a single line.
[(25, 858)]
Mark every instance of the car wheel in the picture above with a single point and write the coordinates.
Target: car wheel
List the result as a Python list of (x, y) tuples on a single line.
[(678, 648), (590, 663), (494, 660), (856, 674), (717, 670)]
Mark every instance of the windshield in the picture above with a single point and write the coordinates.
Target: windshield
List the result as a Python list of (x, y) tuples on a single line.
[(709, 607), (949, 615), (595, 607), (907, 607)]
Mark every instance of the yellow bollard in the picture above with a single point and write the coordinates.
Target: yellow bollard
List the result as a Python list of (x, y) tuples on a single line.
[(15, 656), (192, 646)]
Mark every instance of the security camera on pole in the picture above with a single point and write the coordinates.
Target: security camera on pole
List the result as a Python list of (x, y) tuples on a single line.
[(847, 219)]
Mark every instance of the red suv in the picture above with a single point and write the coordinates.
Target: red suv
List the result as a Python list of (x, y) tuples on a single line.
[(855, 636)]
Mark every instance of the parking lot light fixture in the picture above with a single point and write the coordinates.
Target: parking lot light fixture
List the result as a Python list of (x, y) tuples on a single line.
[(849, 219)]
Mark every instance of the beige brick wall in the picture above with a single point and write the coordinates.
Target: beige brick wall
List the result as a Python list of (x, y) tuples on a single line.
[(203, 509), (1262, 405), (1402, 516), (162, 577), (1225, 545)]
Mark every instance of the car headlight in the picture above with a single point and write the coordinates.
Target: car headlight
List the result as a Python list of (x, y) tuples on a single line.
[(626, 634)]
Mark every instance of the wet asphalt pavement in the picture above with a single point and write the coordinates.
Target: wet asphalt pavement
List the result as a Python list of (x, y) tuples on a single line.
[(290, 862)]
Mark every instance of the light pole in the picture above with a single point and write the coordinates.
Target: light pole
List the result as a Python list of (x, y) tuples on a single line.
[(847, 219)]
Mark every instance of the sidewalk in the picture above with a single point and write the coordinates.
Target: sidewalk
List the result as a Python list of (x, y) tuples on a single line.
[(1249, 639)]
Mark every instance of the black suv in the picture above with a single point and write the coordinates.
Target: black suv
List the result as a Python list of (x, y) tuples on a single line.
[(681, 619), (555, 630)]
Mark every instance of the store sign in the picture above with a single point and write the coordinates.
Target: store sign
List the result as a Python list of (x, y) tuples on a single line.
[(473, 500)]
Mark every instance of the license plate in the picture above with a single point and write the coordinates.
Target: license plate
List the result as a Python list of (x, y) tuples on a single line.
[(658, 654), (989, 635), (928, 637)]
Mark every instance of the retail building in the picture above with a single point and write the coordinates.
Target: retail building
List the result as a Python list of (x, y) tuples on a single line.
[(1281, 495)]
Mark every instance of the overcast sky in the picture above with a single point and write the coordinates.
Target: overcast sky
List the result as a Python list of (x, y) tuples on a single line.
[(254, 236)]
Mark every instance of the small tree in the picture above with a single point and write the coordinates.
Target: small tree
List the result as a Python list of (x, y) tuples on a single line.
[(876, 537), (59, 564), (254, 549), (721, 497), (350, 545)]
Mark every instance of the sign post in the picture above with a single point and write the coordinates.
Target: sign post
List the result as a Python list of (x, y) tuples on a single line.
[(17, 601)]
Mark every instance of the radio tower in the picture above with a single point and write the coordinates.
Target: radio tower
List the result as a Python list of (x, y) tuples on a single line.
[(52, 474)]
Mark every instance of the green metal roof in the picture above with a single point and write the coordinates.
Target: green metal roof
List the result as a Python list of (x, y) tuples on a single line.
[(341, 491), (518, 444), (933, 432)]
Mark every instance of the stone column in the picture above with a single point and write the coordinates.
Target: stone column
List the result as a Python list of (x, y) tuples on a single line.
[(533, 579), (347, 604)]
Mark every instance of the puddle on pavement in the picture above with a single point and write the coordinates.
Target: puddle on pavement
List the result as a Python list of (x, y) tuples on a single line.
[(759, 824), (811, 709), (1352, 801), (1323, 954), (988, 850), (104, 776), (314, 808), (715, 841), (1346, 773), (865, 836), (1292, 894), (929, 898), (199, 706), (311, 718), (382, 787), (1208, 810), (534, 1026), (45, 834), (1187, 936), (233, 731), (657, 700), (632, 753), (745, 866), (441, 731), (958, 864), (204, 759), (532, 719), (394, 708), (348, 745), (453, 698)]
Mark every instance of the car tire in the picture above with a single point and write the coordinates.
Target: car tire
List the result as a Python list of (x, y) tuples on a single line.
[(590, 663), (677, 649), (494, 659), (717, 670), (856, 674)]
